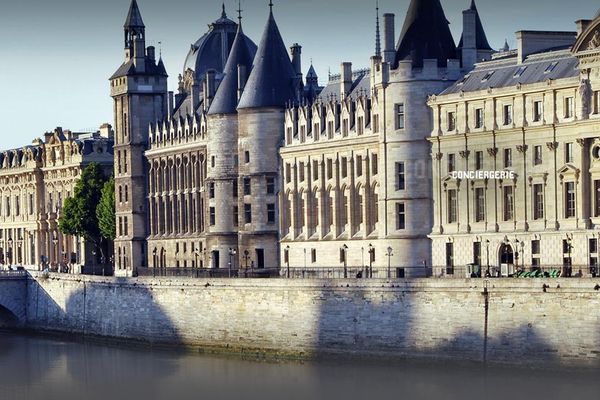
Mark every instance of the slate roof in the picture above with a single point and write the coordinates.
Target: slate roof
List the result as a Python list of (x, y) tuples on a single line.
[(128, 68), (425, 35), (134, 17), (361, 84), (271, 83), (557, 64), (481, 41), (242, 53)]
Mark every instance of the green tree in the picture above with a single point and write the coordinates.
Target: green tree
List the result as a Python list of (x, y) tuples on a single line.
[(78, 217), (106, 211)]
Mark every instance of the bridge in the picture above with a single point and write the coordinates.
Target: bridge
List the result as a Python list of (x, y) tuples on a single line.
[(13, 298)]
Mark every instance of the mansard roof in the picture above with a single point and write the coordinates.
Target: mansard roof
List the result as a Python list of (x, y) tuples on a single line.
[(481, 41), (271, 83), (134, 17), (425, 35), (242, 53)]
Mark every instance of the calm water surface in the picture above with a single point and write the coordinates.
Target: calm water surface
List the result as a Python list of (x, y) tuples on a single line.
[(37, 368)]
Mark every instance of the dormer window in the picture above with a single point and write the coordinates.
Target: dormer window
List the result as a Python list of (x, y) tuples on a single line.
[(551, 67), (487, 76), (519, 72)]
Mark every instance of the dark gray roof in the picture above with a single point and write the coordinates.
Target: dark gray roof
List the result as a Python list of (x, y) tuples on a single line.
[(271, 83), (134, 17), (212, 49), (242, 53), (361, 84), (481, 41), (425, 35), (128, 68), (311, 74), (536, 68)]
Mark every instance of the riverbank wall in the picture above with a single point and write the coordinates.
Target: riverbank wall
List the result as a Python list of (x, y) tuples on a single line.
[(538, 322)]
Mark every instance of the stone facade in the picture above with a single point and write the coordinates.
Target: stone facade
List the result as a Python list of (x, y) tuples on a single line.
[(532, 111), (528, 322), (34, 182)]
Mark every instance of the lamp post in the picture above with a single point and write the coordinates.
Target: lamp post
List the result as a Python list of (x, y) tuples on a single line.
[(371, 259), (155, 259), (232, 253), (345, 258), (362, 256), (389, 256), (287, 260), (569, 270), (305, 259), (246, 253), (94, 262), (487, 253), (516, 254)]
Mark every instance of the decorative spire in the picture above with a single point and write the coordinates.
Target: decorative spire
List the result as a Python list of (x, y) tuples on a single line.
[(239, 10), (271, 5), (134, 17), (506, 47), (223, 13), (377, 33)]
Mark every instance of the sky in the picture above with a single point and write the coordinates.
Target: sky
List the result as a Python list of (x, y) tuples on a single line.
[(57, 55)]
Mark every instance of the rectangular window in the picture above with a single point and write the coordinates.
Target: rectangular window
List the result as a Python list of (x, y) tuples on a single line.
[(479, 205), (313, 255), (452, 200), (538, 201), (593, 246), (270, 185), (360, 125), (345, 127), (451, 121), (400, 176), (213, 161), (537, 155), (449, 256), (570, 200), (248, 213), (211, 190), (399, 115), (400, 216), (234, 188), (271, 213), (508, 118), (535, 247), (315, 170), (478, 118), (477, 253), (235, 215), (31, 204), (569, 107), (301, 171), (344, 163), (597, 198), (451, 162), (507, 158), (329, 168), (212, 216), (508, 203), (375, 123), (596, 102), (537, 111), (288, 173), (359, 165), (330, 130), (478, 160), (246, 157), (247, 187), (569, 153), (374, 164)]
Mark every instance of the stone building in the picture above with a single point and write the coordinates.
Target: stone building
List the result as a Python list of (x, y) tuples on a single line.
[(357, 177), (533, 111), (34, 182)]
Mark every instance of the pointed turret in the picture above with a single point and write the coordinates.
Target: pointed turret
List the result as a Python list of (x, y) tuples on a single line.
[(271, 83), (473, 46), (425, 35), (236, 72), (134, 17)]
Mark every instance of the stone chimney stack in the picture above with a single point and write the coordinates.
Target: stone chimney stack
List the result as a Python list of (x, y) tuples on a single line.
[(346, 79), (139, 58), (469, 39), (389, 38), (151, 51), (296, 51)]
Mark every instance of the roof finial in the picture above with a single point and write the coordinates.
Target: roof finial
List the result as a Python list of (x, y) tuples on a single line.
[(377, 33), (240, 11), (271, 5), (223, 14), (159, 49)]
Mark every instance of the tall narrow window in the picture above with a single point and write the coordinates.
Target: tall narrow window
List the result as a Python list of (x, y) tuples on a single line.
[(478, 160), (271, 213), (211, 190), (315, 170), (508, 117), (400, 176), (344, 165), (597, 198), (537, 111), (270, 185), (451, 162), (399, 116), (212, 217), (360, 125), (508, 203), (359, 164), (375, 123), (329, 168), (507, 158), (538, 201), (537, 155), (569, 153), (288, 173), (452, 199), (374, 164), (235, 216), (477, 253), (479, 205), (569, 107), (234, 188), (478, 118), (451, 121), (247, 186), (248, 213), (400, 216), (301, 171), (569, 199)]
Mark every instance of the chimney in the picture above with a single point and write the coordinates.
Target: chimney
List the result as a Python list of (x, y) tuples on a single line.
[(242, 76), (106, 131), (529, 42), (210, 83), (469, 39), (389, 38), (139, 58), (296, 51), (582, 25), (346, 79), (151, 53)]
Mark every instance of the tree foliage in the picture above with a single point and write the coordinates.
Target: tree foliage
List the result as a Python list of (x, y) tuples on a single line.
[(78, 217), (105, 212)]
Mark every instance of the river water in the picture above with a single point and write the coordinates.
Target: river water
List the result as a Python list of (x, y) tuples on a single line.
[(47, 369)]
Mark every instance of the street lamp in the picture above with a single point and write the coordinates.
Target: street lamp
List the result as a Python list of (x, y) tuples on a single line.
[(287, 260), (389, 256), (371, 259), (487, 253), (232, 253), (345, 259), (569, 269), (517, 254), (155, 259), (362, 256)]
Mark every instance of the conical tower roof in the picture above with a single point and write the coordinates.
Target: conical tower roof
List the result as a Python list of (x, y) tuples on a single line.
[(425, 35), (134, 17), (481, 41), (242, 53), (271, 83)]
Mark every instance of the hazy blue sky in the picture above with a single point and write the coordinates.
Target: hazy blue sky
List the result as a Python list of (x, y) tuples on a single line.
[(57, 55)]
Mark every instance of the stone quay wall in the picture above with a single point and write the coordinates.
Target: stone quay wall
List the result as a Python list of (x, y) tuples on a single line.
[(517, 321)]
